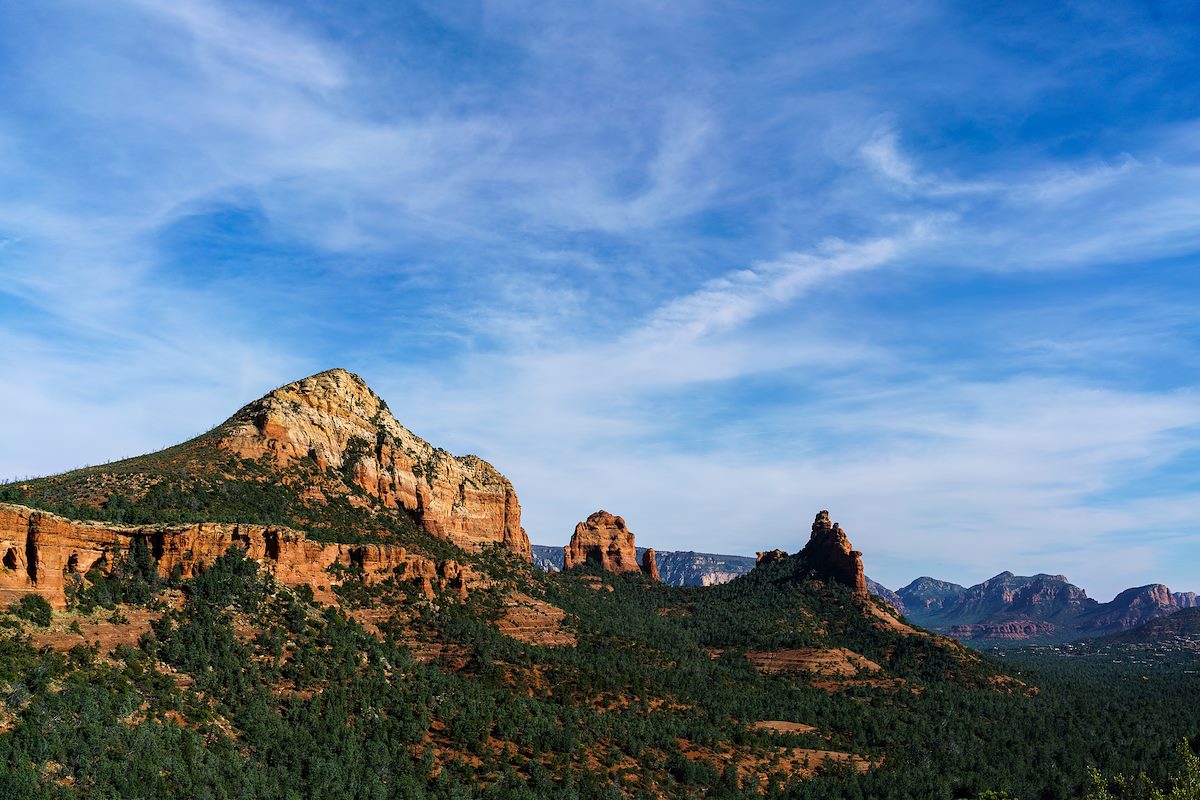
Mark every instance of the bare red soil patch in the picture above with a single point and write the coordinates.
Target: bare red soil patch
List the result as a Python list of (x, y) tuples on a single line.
[(99, 629), (832, 662), (779, 726), (794, 762), (533, 621)]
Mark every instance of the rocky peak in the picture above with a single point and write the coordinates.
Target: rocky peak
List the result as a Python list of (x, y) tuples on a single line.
[(604, 539), (829, 554), (336, 421)]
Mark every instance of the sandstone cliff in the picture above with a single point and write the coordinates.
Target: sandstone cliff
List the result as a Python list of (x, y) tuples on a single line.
[(604, 539), (829, 554), (40, 552), (334, 419)]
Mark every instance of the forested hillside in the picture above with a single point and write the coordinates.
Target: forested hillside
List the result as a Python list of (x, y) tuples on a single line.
[(421, 660)]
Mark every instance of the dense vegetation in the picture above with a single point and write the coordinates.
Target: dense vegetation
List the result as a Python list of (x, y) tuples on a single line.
[(244, 688), (249, 689)]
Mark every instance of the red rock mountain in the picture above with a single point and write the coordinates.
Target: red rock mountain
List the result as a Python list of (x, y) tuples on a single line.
[(604, 539), (336, 420)]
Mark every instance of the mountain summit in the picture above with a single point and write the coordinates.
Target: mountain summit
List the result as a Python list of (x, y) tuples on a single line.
[(334, 420)]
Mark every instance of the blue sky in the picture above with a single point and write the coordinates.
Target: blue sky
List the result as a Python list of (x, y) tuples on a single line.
[(711, 266)]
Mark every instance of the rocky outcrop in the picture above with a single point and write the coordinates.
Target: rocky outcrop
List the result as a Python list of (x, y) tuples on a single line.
[(334, 419), (829, 555), (768, 556), (604, 540), (650, 564), (40, 552)]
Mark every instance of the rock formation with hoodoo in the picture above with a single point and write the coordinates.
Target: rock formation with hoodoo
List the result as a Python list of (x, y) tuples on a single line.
[(40, 552), (650, 564), (336, 420), (829, 554), (603, 539)]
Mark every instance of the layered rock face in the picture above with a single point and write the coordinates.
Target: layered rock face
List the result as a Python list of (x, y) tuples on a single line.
[(1016, 631), (604, 539), (336, 420), (40, 552), (829, 554)]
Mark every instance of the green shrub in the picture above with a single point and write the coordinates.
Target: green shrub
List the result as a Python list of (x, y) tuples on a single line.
[(34, 608)]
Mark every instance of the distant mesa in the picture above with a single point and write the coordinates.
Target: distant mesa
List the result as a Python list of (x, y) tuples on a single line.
[(44, 553), (603, 539), (1018, 608)]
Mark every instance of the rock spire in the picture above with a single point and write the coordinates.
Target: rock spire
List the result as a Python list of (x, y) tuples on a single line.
[(650, 564), (829, 554)]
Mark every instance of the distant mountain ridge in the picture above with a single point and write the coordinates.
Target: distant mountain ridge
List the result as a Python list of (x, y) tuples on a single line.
[(1016, 608), (676, 568), (1182, 627)]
